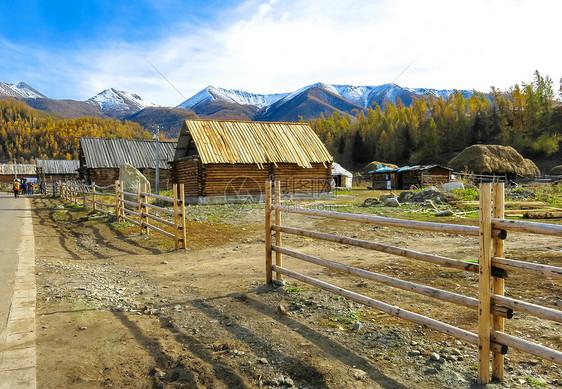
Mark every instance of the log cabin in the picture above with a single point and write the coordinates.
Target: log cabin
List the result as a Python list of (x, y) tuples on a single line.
[(51, 170), (221, 161), (100, 159), (420, 176)]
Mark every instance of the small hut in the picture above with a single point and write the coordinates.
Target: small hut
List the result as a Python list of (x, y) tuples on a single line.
[(419, 176), (51, 170), (100, 159), (494, 159), (384, 178), (229, 161), (342, 178)]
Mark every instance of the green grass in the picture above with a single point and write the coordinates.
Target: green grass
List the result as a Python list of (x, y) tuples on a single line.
[(534, 383), (466, 194), (293, 289)]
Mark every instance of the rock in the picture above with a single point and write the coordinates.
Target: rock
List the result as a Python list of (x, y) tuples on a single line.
[(434, 357), (282, 309), (82, 328), (371, 201), (164, 262), (289, 381), (391, 202), (414, 353), (263, 361), (359, 374), (431, 371), (450, 186), (385, 196), (131, 178), (357, 326), (406, 196), (446, 212), (279, 282)]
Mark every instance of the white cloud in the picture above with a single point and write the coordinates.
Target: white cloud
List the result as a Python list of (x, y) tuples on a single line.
[(279, 46)]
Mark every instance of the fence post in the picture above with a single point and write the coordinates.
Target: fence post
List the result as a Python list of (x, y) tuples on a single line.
[(268, 256), (117, 202), (84, 194), (139, 199), (498, 283), (94, 207), (278, 257), (176, 217), (183, 230), (145, 209), (484, 285)]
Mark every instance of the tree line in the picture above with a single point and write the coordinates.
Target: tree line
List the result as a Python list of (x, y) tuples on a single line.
[(431, 130), (27, 134)]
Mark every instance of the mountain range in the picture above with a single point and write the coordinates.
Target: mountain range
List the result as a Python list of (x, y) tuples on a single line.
[(219, 103)]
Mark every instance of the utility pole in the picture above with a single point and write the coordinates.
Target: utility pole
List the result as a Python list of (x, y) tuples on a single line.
[(157, 174), (15, 170)]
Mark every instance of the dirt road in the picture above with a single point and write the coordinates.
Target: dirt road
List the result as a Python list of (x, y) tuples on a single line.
[(116, 309)]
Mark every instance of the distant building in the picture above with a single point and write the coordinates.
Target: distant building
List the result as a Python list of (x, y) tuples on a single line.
[(228, 161), (419, 176), (342, 178), (9, 171), (51, 170), (101, 158)]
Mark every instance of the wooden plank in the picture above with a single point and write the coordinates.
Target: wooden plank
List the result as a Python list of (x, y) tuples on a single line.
[(394, 282), (431, 258), (527, 347), (278, 257), (484, 284), (529, 227), (385, 221), (497, 282), (268, 254), (532, 309), (528, 267), (456, 332)]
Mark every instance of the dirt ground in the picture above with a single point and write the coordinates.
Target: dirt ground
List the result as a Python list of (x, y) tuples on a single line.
[(119, 309)]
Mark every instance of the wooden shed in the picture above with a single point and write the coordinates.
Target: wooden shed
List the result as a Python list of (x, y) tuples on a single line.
[(420, 176), (423, 176), (100, 159), (384, 178), (51, 170), (227, 161)]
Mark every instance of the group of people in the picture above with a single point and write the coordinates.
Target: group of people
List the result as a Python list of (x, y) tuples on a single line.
[(23, 187)]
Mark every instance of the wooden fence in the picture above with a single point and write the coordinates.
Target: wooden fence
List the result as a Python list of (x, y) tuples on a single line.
[(132, 207), (492, 267)]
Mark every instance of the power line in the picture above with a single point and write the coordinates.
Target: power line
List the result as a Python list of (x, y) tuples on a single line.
[(164, 77)]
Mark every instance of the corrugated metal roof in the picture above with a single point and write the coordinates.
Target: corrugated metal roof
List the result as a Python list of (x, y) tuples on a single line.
[(18, 168), (58, 166), (219, 141), (112, 153)]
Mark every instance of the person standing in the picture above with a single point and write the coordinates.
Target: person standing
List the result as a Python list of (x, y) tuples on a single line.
[(16, 188)]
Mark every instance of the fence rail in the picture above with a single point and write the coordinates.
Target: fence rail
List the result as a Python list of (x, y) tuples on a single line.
[(90, 196), (493, 307)]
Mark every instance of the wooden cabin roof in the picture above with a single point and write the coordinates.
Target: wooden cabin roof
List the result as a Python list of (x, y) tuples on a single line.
[(19, 169), (112, 153), (58, 166), (221, 141)]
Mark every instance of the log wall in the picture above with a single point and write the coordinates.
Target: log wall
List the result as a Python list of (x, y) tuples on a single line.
[(248, 179)]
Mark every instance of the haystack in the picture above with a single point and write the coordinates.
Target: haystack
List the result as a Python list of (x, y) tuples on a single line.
[(493, 159), (373, 166), (556, 170)]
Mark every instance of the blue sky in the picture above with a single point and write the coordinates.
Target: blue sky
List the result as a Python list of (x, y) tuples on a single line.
[(76, 49)]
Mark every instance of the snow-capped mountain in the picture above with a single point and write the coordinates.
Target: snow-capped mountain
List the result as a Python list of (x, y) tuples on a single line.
[(20, 90), (231, 96), (118, 104)]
